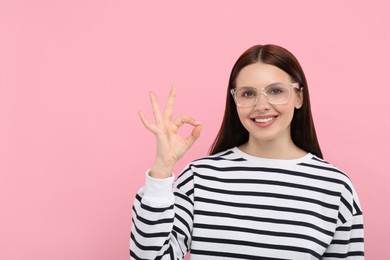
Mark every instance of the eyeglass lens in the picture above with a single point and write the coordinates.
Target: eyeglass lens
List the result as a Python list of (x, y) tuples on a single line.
[(276, 94)]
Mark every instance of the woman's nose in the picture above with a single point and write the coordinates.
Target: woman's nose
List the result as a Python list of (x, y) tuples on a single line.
[(262, 102)]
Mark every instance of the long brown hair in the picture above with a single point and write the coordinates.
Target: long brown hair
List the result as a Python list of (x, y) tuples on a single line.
[(232, 133)]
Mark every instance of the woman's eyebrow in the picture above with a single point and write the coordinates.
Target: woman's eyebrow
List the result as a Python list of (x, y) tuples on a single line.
[(269, 85), (275, 83)]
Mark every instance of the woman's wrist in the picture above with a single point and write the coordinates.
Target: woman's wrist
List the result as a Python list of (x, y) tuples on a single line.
[(161, 171)]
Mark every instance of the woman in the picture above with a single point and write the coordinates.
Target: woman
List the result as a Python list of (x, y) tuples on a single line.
[(264, 192)]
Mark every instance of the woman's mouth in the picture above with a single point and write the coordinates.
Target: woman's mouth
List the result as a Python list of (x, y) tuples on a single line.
[(263, 120)]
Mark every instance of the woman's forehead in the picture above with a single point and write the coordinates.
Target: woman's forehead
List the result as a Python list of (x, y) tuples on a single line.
[(261, 74)]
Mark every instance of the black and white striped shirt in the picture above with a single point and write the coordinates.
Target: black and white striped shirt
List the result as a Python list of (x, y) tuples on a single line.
[(236, 206)]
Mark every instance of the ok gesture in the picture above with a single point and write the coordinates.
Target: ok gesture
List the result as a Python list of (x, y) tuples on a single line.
[(170, 145)]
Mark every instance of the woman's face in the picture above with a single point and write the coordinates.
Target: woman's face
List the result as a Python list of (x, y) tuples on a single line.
[(266, 122)]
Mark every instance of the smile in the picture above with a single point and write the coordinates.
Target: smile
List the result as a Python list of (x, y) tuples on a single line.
[(263, 120)]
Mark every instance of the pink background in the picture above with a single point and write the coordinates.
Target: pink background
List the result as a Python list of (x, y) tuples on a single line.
[(73, 75)]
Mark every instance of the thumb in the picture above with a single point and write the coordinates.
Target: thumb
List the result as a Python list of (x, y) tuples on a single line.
[(191, 138)]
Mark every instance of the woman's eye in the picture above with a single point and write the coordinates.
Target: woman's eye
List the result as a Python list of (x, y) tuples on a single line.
[(248, 93), (275, 91)]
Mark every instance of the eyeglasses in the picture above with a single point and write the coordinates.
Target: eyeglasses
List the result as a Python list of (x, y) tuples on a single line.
[(276, 94)]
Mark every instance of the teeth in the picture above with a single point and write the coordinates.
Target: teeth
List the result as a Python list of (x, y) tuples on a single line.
[(263, 120)]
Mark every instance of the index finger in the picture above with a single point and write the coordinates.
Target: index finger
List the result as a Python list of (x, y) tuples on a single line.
[(168, 111)]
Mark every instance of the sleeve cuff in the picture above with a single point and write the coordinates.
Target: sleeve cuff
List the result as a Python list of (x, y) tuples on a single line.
[(159, 190)]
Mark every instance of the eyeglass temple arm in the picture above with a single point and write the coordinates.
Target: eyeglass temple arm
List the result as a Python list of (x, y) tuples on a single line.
[(296, 85)]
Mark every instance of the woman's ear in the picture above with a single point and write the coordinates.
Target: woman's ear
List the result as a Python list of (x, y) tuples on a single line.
[(299, 99)]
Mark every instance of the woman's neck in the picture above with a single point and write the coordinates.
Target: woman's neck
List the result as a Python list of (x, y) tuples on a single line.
[(273, 149)]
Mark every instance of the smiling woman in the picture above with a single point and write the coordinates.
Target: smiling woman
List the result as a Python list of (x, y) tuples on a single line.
[(264, 192)]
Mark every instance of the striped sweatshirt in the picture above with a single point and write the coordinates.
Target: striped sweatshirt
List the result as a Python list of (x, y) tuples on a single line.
[(232, 205)]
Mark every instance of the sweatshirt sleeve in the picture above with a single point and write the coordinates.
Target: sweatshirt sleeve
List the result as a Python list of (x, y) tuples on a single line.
[(348, 239), (162, 218)]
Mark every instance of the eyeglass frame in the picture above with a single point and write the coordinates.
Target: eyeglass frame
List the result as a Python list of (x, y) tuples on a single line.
[(233, 92)]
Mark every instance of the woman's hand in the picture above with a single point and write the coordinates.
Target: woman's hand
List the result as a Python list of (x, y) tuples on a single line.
[(170, 145)]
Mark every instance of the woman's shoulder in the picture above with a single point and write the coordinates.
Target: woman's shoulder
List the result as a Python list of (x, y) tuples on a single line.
[(350, 204), (319, 165), (325, 172), (229, 155)]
